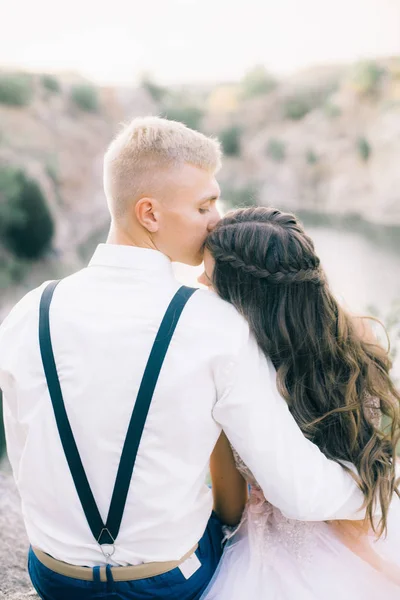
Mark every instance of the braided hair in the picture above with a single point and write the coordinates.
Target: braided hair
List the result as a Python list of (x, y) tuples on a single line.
[(331, 378)]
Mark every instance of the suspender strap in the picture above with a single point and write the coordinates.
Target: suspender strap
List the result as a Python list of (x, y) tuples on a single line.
[(142, 405), (106, 533)]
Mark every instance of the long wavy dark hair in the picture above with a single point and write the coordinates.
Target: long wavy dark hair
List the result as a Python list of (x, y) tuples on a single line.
[(334, 381)]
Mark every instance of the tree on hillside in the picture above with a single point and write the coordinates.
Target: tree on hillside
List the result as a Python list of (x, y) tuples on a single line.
[(26, 223), (257, 82)]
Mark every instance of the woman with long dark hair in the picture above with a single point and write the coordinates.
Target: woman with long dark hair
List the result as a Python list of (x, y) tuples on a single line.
[(335, 378)]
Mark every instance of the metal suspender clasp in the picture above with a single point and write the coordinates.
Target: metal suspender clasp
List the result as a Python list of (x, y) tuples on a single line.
[(108, 545)]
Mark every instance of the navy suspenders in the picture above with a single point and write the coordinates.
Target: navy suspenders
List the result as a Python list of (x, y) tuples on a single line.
[(106, 533)]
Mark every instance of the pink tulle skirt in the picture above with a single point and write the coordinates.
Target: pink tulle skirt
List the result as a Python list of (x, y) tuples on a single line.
[(273, 558)]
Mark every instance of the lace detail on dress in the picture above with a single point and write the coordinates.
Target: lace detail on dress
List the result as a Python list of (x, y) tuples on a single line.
[(243, 469), (269, 530)]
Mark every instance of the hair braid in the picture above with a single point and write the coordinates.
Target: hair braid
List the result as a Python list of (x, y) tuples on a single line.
[(224, 249)]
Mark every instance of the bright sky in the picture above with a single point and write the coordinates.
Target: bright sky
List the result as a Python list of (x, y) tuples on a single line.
[(193, 40)]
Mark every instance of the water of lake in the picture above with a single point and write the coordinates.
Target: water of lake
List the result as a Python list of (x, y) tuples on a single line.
[(362, 273)]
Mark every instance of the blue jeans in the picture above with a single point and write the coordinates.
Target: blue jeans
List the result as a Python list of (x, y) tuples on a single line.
[(168, 586)]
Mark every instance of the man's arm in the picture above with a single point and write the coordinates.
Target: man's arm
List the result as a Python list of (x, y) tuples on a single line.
[(293, 473)]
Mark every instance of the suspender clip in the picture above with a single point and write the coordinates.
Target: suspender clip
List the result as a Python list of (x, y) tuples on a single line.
[(106, 543)]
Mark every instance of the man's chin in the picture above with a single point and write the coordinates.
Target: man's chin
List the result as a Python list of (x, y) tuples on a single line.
[(197, 262)]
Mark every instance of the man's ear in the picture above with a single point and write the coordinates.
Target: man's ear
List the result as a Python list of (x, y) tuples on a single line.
[(147, 214)]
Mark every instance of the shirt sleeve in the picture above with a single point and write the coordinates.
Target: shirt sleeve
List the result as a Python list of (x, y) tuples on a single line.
[(13, 335), (13, 329), (15, 433), (7, 386), (9, 340), (293, 473)]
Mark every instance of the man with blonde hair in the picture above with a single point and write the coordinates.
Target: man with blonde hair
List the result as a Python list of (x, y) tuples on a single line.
[(117, 387)]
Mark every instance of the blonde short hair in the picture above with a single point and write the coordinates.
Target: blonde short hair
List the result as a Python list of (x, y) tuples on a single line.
[(142, 149)]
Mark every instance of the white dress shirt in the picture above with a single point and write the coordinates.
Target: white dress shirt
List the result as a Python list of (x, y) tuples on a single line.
[(103, 322)]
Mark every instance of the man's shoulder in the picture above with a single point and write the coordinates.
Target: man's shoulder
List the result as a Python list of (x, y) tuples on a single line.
[(25, 307), (18, 328)]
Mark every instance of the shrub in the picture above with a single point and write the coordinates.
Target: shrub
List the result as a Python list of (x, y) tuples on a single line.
[(311, 157), (16, 89), (332, 110), (364, 148), (12, 270), (304, 100), (366, 77), (10, 211), (27, 226), (157, 92), (51, 83), (257, 82), (190, 115), (5, 281), (85, 97), (52, 170), (296, 107), (276, 150), (230, 140)]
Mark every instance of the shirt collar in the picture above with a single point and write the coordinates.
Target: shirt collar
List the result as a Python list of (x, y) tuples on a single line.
[(130, 257)]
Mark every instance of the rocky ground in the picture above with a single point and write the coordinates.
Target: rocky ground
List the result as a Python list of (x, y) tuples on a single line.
[(14, 579)]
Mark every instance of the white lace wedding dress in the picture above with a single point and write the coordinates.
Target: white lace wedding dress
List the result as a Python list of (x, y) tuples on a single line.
[(270, 557)]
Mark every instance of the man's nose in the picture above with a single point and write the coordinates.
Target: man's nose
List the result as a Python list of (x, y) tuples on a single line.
[(214, 218)]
